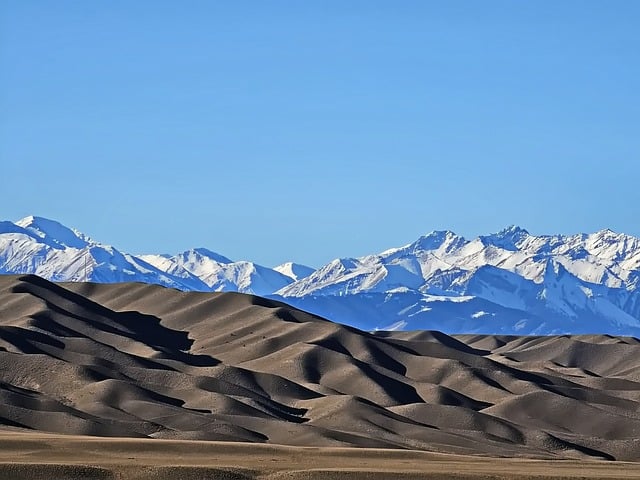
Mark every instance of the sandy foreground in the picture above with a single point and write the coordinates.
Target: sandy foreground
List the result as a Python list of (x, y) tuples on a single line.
[(49, 456), (136, 379)]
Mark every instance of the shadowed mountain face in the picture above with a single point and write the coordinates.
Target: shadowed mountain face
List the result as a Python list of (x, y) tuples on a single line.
[(146, 361)]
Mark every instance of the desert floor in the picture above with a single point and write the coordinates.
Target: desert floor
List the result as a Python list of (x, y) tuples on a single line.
[(36, 456)]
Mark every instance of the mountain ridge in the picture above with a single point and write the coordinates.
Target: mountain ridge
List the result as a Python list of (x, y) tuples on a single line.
[(509, 282)]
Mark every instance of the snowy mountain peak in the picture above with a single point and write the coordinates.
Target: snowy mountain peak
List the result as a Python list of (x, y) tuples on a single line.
[(511, 231), (294, 271), (205, 252), (609, 236), (508, 238), (436, 240), (53, 232)]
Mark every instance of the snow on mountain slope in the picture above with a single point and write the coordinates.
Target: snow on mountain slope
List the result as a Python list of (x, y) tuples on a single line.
[(345, 276), (507, 282), (294, 271), (198, 263), (47, 248), (585, 282), (242, 276), (50, 230), (221, 274)]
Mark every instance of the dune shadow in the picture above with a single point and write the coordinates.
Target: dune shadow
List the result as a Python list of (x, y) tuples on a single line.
[(147, 329)]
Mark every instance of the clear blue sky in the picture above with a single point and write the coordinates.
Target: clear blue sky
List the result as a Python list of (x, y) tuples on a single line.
[(300, 130)]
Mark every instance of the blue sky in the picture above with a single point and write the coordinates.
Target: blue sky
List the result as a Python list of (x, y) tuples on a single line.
[(280, 130)]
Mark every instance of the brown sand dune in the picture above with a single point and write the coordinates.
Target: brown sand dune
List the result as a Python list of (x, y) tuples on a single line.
[(134, 360)]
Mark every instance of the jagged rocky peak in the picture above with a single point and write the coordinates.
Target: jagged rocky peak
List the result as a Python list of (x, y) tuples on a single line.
[(512, 231), (438, 239), (508, 238), (609, 236)]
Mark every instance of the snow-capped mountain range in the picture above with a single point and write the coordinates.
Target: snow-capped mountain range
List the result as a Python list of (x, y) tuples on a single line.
[(510, 282)]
